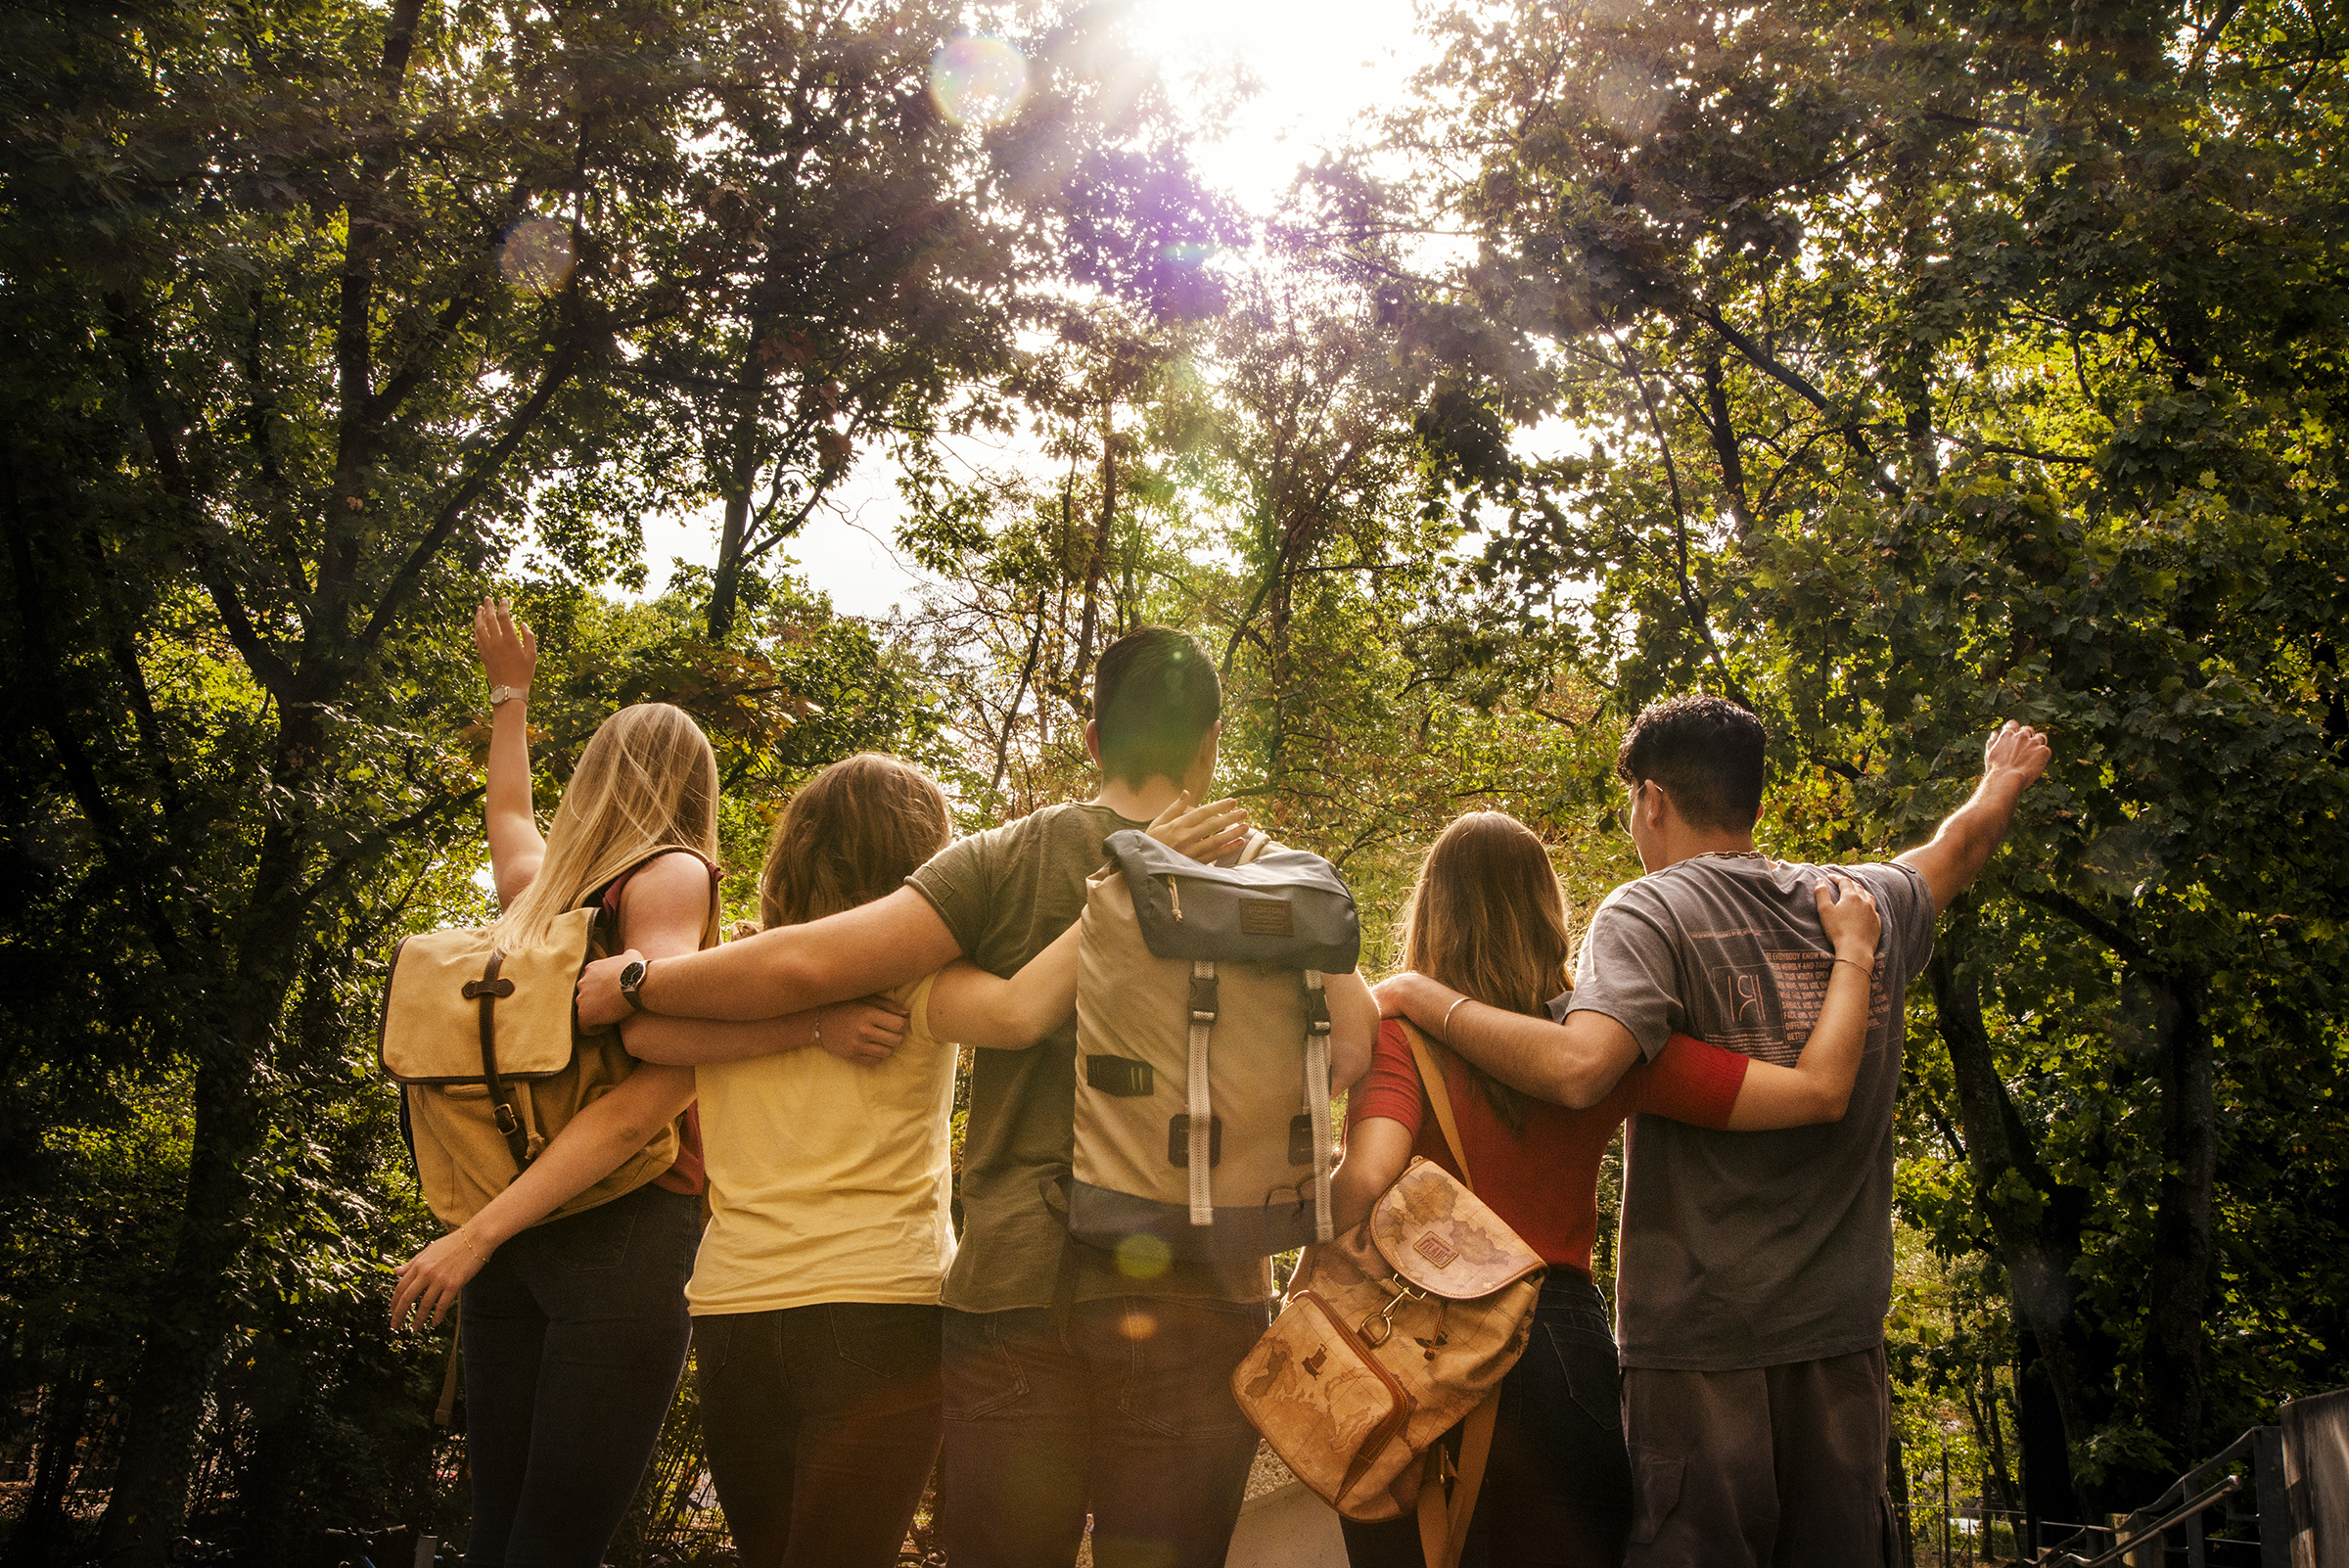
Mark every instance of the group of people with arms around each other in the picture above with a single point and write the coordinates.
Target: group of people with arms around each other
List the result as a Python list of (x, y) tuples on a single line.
[(762, 1170)]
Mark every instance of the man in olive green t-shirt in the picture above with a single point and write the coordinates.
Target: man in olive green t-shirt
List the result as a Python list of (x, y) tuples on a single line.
[(1127, 1414)]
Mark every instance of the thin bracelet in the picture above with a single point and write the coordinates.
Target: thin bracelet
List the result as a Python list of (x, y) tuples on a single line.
[(466, 1242), (815, 1022), (1445, 1034), (1870, 970)]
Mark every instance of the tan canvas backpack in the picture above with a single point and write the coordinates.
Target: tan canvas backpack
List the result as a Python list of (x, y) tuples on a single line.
[(1202, 1115), (487, 1049), (1394, 1333)]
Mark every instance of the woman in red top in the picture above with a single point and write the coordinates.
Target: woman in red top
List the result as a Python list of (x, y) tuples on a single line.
[(1489, 920)]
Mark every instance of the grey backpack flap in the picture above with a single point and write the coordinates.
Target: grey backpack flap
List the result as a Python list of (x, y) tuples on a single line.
[(1286, 909)]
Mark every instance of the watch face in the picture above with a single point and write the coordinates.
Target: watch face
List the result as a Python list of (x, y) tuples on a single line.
[(632, 976)]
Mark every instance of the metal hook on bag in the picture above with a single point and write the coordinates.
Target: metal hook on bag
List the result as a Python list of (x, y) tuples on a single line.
[(1384, 1318)]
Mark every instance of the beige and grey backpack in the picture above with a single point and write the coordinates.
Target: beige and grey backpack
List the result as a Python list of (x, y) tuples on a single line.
[(1202, 1115), (487, 1047)]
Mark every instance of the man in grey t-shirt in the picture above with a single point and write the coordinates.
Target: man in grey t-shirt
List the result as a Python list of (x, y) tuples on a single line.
[(1754, 1268)]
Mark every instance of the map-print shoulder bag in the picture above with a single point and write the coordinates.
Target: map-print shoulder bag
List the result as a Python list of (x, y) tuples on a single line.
[(1394, 1333)]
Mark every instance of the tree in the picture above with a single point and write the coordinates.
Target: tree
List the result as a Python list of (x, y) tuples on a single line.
[(1938, 366), (317, 315)]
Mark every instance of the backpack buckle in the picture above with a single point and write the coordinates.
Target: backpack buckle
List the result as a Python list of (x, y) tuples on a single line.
[(507, 1121), (1203, 998)]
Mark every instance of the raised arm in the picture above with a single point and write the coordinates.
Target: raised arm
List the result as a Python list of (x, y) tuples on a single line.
[(2013, 761), (1818, 1086), (1575, 1064), (509, 657)]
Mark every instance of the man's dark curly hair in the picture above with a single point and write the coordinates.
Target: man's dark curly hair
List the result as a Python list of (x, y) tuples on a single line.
[(1705, 753)]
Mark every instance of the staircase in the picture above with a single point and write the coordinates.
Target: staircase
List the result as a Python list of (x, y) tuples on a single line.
[(2295, 1477)]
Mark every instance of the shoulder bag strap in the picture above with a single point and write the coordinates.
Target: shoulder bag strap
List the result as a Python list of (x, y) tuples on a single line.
[(1431, 1077), (1444, 1528)]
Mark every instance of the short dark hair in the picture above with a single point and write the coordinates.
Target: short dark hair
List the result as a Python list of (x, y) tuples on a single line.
[(1705, 753), (1155, 696)]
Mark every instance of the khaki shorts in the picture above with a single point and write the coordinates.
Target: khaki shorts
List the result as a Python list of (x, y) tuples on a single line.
[(1770, 1467)]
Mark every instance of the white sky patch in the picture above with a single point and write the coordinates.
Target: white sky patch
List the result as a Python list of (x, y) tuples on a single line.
[(1321, 66)]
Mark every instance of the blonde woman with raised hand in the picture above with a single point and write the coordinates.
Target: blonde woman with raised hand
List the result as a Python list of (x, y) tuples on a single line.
[(573, 1326)]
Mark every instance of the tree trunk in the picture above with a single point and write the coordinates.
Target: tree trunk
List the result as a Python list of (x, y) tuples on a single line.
[(1097, 555), (2035, 1219), (40, 1537), (195, 1299), (2180, 1275), (725, 578)]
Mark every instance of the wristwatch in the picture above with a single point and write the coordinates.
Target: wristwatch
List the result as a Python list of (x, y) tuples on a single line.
[(631, 976), (507, 694)]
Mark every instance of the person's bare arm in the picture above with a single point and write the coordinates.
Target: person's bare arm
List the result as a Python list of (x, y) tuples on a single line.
[(1818, 1086), (1352, 1027), (2013, 761), (790, 969), (868, 1032), (509, 657), (1378, 1148), (1575, 1064), (972, 1007)]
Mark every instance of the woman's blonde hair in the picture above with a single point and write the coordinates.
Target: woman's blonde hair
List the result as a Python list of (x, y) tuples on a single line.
[(1488, 919), (647, 781), (854, 833)]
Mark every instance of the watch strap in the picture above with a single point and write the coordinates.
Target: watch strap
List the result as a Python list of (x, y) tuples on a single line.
[(507, 694)]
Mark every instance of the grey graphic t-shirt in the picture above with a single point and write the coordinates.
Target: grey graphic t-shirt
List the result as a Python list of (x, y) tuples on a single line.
[(1751, 1249)]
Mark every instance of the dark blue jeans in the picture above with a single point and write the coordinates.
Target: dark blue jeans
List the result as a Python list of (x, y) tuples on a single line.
[(1129, 1417), (822, 1425), (1558, 1489), (574, 1336)]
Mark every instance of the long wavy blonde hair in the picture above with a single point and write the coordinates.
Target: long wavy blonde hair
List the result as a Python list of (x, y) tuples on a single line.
[(647, 781), (1488, 919)]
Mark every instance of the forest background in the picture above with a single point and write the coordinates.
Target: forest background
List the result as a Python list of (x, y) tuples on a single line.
[(1896, 367)]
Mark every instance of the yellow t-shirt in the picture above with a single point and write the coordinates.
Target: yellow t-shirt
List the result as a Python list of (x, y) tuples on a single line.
[(828, 1181)]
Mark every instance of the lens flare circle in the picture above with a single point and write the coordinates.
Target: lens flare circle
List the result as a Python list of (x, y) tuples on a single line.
[(538, 255), (978, 80)]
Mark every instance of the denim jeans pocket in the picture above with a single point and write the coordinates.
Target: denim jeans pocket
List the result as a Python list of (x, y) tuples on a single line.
[(1179, 1369), (889, 1341), (981, 1376), (1594, 1374)]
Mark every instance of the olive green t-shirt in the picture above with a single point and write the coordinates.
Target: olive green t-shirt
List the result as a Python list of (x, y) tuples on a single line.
[(1006, 893)]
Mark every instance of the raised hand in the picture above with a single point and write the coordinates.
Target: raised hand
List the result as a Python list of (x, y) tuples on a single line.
[(868, 1032), (2015, 755), (508, 648), (1205, 833), (1848, 911)]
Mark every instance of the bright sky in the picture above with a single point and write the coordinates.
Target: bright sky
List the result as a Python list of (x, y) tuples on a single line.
[(1321, 66)]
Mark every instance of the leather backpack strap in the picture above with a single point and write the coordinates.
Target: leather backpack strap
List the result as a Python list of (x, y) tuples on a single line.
[(446, 1410), (487, 991), (1431, 1077)]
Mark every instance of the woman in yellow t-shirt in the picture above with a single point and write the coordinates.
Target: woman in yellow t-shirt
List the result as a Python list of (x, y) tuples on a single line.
[(815, 1292)]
